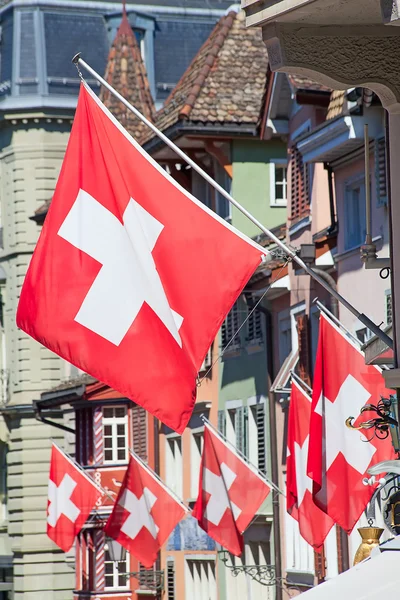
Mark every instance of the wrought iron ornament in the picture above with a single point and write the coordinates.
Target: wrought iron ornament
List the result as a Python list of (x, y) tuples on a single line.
[(381, 424)]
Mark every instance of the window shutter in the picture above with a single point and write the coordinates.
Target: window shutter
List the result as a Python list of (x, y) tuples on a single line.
[(380, 172), (230, 327), (170, 580), (241, 429), (261, 441), (299, 180), (304, 348), (320, 565), (139, 431), (222, 422), (254, 328), (389, 309)]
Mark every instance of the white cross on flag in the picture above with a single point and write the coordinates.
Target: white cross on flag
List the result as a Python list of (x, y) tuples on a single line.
[(72, 496), (132, 276), (144, 514), (338, 457), (230, 493), (314, 525)]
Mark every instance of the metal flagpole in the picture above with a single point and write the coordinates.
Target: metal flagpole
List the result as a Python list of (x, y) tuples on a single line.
[(159, 480), (323, 309), (82, 470), (79, 62), (240, 454), (299, 380)]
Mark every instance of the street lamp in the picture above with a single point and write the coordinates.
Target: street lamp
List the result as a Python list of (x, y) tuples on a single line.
[(116, 551)]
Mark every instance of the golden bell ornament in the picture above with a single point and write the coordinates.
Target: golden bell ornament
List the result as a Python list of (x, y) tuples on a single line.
[(370, 539)]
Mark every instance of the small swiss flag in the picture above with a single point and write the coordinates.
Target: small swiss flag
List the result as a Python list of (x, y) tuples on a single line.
[(144, 515), (314, 525), (132, 276), (72, 496), (230, 493), (338, 457)]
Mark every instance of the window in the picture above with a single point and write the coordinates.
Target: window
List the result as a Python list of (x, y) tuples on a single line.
[(200, 581), (364, 334), (115, 425), (229, 328), (389, 313), (380, 172), (170, 580), (222, 205), (114, 572), (278, 183), (256, 436), (354, 214), (299, 554), (196, 448), (173, 464), (285, 336), (3, 481), (201, 189)]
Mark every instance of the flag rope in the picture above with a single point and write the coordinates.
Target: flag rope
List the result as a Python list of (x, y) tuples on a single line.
[(323, 309), (242, 456), (220, 355), (78, 61)]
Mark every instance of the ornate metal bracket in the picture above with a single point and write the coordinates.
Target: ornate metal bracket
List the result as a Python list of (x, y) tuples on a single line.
[(381, 424), (148, 580)]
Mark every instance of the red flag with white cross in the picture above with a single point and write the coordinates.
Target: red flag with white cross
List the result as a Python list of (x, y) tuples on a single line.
[(230, 493), (132, 276), (72, 496), (314, 525), (338, 457), (144, 514)]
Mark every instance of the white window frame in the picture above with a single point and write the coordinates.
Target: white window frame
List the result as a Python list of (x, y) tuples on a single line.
[(274, 163), (3, 483), (174, 463), (196, 449), (114, 422), (115, 573), (299, 554)]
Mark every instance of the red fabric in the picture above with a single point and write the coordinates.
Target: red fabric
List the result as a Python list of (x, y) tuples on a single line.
[(84, 497), (202, 262), (314, 525), (247, 492), (338, 487), (165, 513)]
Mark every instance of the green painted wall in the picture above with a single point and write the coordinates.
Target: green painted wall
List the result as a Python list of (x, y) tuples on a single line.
[(251, 183)]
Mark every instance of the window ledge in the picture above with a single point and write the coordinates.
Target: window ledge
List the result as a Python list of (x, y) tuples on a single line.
[(254, 348), (354, 250), (301, 224), (235, 352)]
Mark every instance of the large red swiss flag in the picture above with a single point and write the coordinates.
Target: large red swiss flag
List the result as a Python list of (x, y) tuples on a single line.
[(132, 276), (338, 457)]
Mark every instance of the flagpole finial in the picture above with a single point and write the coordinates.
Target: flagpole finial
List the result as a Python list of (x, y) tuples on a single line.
[(124, 8), (76, 58)]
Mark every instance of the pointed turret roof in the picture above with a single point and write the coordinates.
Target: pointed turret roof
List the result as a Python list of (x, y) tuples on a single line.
[(127, 74)]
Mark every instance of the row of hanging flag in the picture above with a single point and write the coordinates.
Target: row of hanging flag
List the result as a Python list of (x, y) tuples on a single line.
[(327, 462), (152, 273), (146, 512)]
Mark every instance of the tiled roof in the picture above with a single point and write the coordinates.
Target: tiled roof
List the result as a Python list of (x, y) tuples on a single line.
[(126, 72), (336, 104), (303, 83), (225, 83)]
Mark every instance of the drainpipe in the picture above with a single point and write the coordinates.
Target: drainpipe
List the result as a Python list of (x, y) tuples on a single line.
[(329, 171), (330, 280), (273, 448)]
